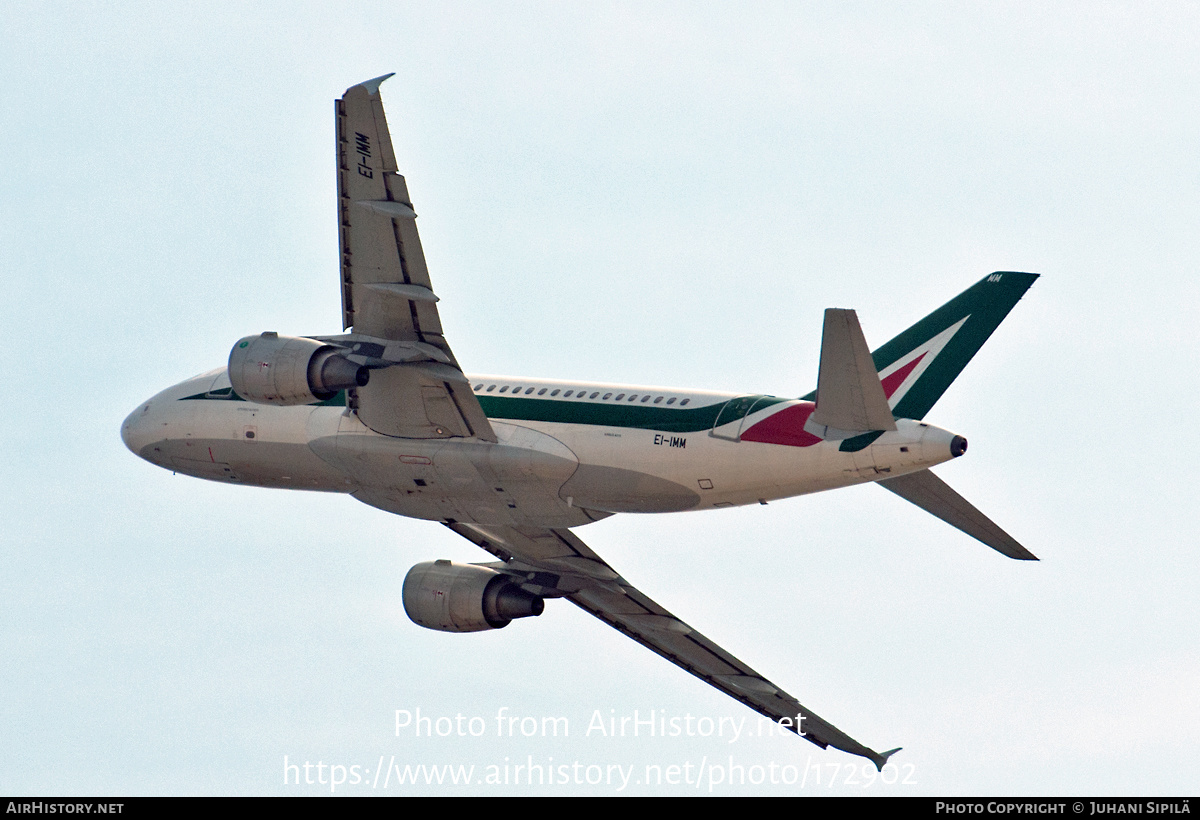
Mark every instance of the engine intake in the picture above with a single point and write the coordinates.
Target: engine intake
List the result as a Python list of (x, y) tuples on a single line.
[(290, 370), (452, 597)]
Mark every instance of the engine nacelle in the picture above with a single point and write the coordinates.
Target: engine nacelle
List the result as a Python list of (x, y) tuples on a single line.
[(453, 597), (290, 370)]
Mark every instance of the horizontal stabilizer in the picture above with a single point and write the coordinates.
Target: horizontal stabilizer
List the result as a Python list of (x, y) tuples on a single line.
[(934, 496), (850, 397), (881, 759)]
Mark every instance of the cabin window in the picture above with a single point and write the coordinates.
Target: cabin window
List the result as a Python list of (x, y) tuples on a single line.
[(632, 396), (552, 392), (685, 401), (528, 391), (542, 392), (491, 387), (504, 389), (607, 396), (597, 393), (645, 399), (671, 400)]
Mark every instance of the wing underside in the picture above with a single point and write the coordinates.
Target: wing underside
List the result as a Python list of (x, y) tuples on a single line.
[(555, 563), (387, 296)]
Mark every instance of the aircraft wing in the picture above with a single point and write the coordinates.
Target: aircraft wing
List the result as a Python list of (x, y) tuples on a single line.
[(386, 294), (555, 563)]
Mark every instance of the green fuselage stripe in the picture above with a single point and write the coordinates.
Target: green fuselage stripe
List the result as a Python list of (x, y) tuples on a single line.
[(615, 414), (605, 414)]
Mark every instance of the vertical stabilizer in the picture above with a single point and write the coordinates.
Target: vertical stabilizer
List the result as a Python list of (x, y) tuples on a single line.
[(916, 367)]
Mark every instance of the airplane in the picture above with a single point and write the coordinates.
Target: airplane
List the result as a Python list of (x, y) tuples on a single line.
[(385, 413)]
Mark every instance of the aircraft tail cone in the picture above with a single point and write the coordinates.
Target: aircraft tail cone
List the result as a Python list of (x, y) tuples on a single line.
[(958, 446)]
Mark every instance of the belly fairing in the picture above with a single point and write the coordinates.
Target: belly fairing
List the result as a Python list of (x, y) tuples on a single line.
[(511, 482)]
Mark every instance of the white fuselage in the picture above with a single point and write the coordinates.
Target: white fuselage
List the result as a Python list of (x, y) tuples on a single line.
[(561, 462)]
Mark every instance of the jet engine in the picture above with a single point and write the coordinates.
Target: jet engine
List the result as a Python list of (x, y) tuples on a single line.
[(290, 370), (453, 597)]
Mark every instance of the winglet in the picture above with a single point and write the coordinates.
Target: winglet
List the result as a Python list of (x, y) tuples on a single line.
[(372, 86), (880, 760)]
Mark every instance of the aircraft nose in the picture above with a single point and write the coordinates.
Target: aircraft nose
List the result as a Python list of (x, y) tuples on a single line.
[(135, 430)]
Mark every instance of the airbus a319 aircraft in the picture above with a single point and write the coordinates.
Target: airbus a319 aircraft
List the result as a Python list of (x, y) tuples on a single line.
[(514, 464)]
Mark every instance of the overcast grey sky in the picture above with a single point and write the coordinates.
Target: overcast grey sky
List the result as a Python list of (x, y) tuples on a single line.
[(653, 193)]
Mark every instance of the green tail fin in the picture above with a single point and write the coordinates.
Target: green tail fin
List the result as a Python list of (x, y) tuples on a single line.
[(917, 366)]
